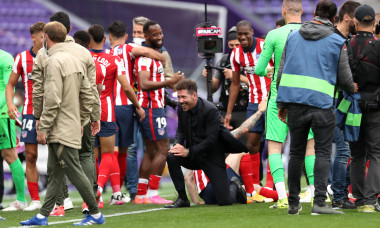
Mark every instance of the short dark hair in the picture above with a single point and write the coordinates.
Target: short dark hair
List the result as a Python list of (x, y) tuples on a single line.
[(280, 22), (326, 9), (55, 31), (82, 37), (188, 84), (96, 32), (117, 29), (349, 8), (37, 27), (63, 18), (147, 26), (244, 23)]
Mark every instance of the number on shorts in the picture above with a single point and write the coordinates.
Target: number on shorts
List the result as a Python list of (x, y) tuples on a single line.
[(161, 121), (28, 124)]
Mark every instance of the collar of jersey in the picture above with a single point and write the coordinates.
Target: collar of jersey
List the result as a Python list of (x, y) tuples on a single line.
[(96, 51), (253, 46), (32, 53)]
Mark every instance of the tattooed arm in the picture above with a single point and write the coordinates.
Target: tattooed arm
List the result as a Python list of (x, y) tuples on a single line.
[(251, 121)]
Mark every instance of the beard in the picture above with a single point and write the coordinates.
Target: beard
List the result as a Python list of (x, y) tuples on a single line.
[(352, 29), (155, 45)]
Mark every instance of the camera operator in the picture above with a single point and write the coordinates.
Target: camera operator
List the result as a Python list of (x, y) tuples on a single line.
[(222, 77), (366, 61)]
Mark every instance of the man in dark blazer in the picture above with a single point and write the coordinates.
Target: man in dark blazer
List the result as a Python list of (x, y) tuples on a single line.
[(201, 142)]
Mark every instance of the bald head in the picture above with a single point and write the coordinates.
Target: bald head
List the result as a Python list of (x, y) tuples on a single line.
[(293, 7), (55, 31)]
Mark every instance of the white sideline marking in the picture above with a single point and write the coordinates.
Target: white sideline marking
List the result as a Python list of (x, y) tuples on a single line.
[(105, 216)]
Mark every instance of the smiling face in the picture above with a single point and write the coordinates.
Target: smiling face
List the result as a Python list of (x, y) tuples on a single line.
[(154, 37), (187, 100), (245, 36)]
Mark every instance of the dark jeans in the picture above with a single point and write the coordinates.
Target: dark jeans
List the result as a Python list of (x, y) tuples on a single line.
[(339, 167), (322, 121), (132, 175), (365, 189), (214, 167)]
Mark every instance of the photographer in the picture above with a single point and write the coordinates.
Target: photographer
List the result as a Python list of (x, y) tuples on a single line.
[(366, 59), (222, 77)]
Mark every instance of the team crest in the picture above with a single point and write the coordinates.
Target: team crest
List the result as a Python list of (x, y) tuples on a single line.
[(160, 70), (249, 70), (258, 55), (24, 134), (119, 51), (30, 76), (161, 131)]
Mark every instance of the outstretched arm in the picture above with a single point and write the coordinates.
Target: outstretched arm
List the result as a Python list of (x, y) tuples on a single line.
[(251, 121)]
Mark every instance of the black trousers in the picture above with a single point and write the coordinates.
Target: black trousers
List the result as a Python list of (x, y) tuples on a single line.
[(366, 189), (214, 167), (322, 122)]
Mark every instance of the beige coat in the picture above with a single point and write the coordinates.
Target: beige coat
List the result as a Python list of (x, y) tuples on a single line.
[(68, 99), (39, 76)]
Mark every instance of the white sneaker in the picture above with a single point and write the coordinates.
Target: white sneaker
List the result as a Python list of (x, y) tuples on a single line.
[(125, 198), (306, 196), (15, 206), (68, 204), (34, 205)]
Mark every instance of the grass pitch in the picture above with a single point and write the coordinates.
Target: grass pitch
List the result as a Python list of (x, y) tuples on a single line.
[(153, 216)]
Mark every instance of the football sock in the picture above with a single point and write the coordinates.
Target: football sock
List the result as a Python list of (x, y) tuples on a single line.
[(309, 166), (115, 173), (269, 193), (18, 176), (255, 162), (40, 216), (151, 193), (154, 183), (277, 169), (246, 173), (122, 159), (105, 169), (269, 182), (142, 187), (281, 189), (33, 190), (97, 215), (312, 189)]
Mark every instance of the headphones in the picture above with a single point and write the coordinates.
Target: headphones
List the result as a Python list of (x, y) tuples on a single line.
[(377, 29)]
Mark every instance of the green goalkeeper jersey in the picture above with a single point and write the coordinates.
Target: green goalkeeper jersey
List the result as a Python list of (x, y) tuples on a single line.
[(274, 44), (6, 63)]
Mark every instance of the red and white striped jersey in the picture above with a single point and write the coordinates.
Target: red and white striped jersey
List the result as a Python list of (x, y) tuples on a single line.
[(100, 72), (258, 86), (23, 66), (201, 180), (113, 67), (124, 51), (154, 98)]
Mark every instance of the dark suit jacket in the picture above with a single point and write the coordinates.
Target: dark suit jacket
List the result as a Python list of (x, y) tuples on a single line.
[(216, 138)]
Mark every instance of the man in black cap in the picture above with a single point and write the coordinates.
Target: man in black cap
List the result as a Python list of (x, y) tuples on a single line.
[(366, 61), (222, 77)]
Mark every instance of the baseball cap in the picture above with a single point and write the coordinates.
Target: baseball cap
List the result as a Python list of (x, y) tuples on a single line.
[(365, 11), (232, 34)]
